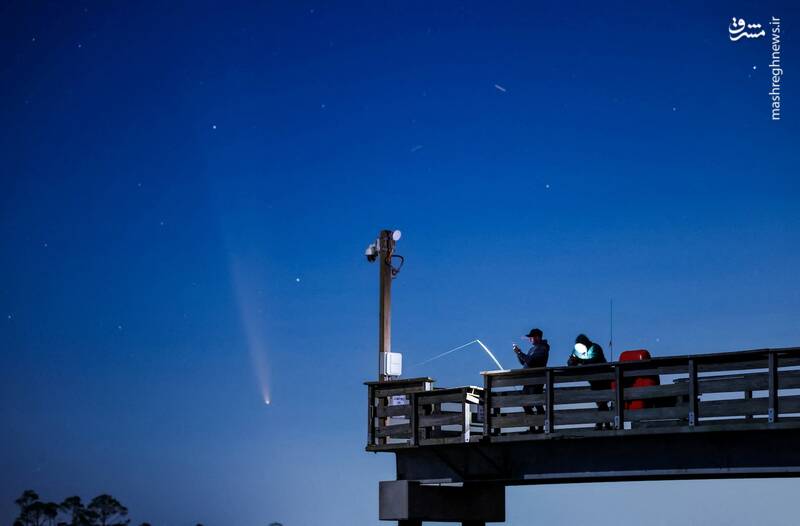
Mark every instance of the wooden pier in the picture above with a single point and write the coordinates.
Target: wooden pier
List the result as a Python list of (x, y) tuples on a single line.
[(724, 415)]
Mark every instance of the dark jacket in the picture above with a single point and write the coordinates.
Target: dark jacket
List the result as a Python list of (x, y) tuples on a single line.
[(594, 354), (536, 356)]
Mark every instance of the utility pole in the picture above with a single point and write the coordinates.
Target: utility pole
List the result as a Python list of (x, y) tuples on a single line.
[(385, 248), (382, 251)]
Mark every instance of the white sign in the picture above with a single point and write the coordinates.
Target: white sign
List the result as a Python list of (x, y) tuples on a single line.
[(398, 400)]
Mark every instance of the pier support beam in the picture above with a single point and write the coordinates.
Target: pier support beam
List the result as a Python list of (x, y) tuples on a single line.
[(410, 503)]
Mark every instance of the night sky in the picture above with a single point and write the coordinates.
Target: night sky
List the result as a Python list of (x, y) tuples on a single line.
[(188, 190)]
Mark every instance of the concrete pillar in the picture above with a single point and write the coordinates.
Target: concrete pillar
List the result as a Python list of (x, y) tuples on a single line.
[(411, 503)]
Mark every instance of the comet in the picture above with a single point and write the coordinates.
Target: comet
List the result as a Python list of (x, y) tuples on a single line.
[(252, 305)]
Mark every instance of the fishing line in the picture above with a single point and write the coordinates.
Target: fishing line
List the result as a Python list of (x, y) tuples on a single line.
[(460, 347)]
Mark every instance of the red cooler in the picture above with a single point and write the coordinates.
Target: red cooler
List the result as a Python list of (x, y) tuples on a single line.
[(638, 381)]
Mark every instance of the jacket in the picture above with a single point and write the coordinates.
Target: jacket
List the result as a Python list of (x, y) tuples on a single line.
[(536, 356)]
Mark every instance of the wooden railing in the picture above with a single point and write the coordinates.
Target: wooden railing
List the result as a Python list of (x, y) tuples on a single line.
[(725, 391), (405, 413)]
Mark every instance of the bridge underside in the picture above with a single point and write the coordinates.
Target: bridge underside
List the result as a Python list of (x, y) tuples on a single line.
[(751, 453), (484, 469)]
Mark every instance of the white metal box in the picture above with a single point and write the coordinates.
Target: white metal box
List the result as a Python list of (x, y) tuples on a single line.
[(391, 363)]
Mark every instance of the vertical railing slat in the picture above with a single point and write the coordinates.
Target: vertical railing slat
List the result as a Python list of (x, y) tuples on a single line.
[(773, 387), (487, 406), (414, 419), (619, 399), (693, 397), (549, 411)]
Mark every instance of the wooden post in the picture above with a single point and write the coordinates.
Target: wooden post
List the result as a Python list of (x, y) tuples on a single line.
[(487, 406), (619, 399), (773, 388), (466, 417), (414, 419), (385, 249), (549, 424), (371, 416), (694, 417), (748, 395)]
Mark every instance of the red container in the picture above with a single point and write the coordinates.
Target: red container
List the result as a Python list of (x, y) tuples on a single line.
[(637, 381)]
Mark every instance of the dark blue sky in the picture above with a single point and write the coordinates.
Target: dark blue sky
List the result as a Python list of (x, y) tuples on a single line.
[(187, 186)]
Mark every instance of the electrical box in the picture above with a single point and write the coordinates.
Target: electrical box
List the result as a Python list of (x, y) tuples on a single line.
[(391, 363)]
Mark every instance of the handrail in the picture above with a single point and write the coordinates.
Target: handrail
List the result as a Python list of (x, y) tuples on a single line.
[(588, 400)]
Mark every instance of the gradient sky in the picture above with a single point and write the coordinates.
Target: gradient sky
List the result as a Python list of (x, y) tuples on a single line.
[(188, 189)]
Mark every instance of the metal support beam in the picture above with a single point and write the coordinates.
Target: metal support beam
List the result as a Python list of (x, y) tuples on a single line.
[(700, 453)]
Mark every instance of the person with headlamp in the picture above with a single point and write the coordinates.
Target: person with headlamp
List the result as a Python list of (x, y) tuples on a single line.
[(587, 352)]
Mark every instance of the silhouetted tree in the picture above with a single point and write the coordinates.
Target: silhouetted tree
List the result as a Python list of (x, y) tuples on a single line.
[(50, 512), (108, 511), (77, 514), (32, 512)]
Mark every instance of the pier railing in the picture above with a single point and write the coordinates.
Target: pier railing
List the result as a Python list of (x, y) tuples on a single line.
[(747, 389)]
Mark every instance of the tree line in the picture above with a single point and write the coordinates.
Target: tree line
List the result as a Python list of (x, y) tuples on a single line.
[(103, 510)]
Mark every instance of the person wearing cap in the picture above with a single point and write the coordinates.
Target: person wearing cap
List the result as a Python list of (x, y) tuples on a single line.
[(587, 352), (536, 356)]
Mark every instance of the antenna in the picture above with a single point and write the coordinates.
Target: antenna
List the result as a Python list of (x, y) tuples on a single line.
[(611, 327)]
